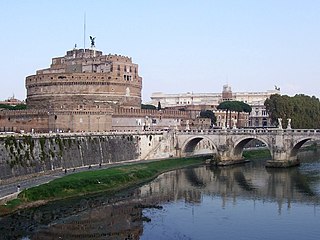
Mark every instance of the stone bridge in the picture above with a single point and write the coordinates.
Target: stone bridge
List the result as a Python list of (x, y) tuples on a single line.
[(227, 145)]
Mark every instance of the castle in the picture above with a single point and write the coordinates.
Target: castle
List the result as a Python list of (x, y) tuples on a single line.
[(86, 91), (85, 80)]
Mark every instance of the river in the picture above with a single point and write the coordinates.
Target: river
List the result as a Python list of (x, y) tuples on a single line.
[(238, 202)]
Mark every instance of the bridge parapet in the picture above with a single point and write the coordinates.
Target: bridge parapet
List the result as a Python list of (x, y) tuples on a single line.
[(262, 131)]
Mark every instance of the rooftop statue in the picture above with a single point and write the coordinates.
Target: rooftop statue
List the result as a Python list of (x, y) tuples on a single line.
[(92, 39)]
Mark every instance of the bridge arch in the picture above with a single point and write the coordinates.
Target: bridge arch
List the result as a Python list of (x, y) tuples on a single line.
[(239, 145), (190, 144), (298, 145)]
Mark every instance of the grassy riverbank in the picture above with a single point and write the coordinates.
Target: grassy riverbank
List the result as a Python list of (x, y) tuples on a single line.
[(109, 180), (256, 154)]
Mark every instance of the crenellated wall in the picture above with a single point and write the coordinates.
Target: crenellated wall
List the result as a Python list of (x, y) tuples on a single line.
[(124, 112)]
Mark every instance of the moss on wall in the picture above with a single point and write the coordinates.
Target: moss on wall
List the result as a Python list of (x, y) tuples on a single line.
[(22, 155)]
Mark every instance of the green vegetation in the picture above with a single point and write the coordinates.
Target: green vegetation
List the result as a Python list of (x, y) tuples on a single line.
[(43, 154), (148, 106), (16, 107), (209, 114), (304, 111), (257, 154), (60, 144), (109, 180), (20, 150), (13, 203), (234, 106)]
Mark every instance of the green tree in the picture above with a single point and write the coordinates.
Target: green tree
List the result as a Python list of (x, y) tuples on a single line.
[(209, 114), (159, 106), (239, 107), (16, 107), (226, 106), (234, 106), (148, 106), (304, 111)]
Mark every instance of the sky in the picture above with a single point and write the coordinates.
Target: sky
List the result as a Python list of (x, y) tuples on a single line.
[(180, 45)]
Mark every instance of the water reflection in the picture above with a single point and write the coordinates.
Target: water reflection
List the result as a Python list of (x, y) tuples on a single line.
[(121, 217)]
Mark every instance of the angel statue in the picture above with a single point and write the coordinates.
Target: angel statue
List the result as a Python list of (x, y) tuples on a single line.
[(280, 123), (92, 41)]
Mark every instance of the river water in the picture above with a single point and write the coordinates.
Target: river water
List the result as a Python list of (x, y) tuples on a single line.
[(237, 202)]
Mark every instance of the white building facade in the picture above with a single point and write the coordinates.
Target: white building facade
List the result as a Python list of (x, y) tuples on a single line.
[(257, 118)]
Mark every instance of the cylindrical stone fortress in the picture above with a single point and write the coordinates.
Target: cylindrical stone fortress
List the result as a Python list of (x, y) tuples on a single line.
[(85, 80)]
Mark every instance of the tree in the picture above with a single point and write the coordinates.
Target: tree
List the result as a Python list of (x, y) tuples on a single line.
[(304, 111), (159, 106), (276, 107), (147, 106), (16, 107), (235, 106), (226, 105), (209, 114), (239, 107)]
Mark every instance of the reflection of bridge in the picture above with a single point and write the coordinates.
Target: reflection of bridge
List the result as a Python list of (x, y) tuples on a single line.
[(228, 145), (251, 181)]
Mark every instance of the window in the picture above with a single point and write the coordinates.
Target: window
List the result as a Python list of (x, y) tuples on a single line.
[(256, 122)]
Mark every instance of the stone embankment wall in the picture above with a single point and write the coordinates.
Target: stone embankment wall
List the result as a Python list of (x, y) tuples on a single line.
[(22, 155)]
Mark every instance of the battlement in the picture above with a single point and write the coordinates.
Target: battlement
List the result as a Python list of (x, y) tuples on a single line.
[(90, 60), (77, 78), (118, 58), (124, 112), (83, 53), (23, 113)]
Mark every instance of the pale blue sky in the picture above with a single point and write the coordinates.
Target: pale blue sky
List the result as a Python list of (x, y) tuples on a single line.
[(180, 45)]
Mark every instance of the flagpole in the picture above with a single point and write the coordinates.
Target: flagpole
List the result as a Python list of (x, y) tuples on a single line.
[(84, 33)]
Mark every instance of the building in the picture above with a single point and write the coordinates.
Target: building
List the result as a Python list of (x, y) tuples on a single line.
[(80, 90), (87, 91), (85, 80), (12, 101), (257, 118)]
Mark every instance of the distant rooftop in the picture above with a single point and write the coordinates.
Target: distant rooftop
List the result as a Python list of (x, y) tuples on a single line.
[(12, 101)]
